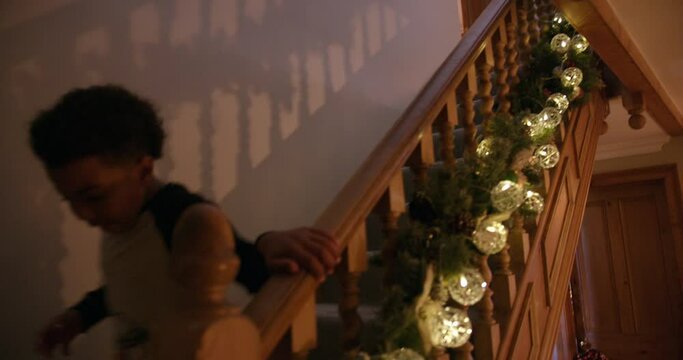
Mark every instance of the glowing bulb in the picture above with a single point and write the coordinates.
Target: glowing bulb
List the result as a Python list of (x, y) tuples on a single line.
[(533, 202), (485, 148), (560, 43), (449, 327), (490, 236), (559, 101), (468, 287), (507, 196), (579, 43), (533, 124), (558, 20), (530, 120), (550, 117), (547, 156), (571, 77)]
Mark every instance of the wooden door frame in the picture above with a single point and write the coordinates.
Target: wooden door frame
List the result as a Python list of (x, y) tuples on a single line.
[(667, 175)]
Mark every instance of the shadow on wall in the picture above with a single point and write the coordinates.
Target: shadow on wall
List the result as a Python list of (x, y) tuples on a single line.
[(270, 106)]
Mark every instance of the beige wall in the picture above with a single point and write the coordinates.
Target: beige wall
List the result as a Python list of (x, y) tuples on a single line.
[(270, 106), (656, 29), (671, 153)]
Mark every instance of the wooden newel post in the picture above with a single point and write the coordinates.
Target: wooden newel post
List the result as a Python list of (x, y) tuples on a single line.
[(204, 327)]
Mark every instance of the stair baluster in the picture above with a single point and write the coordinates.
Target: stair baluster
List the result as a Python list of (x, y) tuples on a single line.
[(464, 352), (354, 263), (422, 158), (467, 91), (445, 126), (523, 28), (512, 50), (304, 331), (390, 208), (501, 69), (547, 11), (486, 329), (485, 64), (519, 243), (534, 23)]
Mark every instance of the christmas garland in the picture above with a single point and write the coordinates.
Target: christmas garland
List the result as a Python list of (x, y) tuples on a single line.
[(461, 215)]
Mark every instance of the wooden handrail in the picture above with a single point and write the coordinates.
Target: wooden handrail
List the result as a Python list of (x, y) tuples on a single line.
[(278, 303)]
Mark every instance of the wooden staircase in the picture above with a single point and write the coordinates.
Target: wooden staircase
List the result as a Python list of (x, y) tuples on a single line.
[(529, 279), (519, 315)]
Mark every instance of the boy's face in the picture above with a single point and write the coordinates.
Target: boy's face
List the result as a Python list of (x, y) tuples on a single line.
[(104, 193)]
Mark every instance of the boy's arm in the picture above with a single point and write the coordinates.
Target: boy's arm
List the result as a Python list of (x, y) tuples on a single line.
[(92, 308), (62, 329), (253, 271)]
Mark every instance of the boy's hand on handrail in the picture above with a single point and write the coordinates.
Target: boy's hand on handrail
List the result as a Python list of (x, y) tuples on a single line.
[(59, 331), (312, 250)]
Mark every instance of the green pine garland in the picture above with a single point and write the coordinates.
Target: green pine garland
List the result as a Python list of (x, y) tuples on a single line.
[(444, 214)]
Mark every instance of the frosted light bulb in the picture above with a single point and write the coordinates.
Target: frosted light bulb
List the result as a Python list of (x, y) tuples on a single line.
[(485, 148), (547, 156), (571, 77), (559, 101), (507, 196), (490, 237), (560, 43), (467, 287), (558, 20), (533, 202), (449, 327), (579, 43), (550, 117)]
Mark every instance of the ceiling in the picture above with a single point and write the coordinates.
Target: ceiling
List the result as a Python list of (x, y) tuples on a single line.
[(657, 31)]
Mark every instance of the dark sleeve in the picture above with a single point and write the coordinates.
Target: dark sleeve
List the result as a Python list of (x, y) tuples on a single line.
[(253, 272), (169, 203), (92, 307)]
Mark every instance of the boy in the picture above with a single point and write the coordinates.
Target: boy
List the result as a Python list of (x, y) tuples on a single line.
[(98, 146)]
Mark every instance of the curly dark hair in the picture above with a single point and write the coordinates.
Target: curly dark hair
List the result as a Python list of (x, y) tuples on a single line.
[(103, 120)]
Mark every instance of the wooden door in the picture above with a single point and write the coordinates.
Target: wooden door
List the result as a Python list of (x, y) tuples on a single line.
[(628, 268), (565, 345)]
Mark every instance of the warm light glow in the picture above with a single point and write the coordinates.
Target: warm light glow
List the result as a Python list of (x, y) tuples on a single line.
[(560, 43), (449, 327), (571, 77), (533, 202), (533, 122), (468, 287), (530, 120), (490, 236), (559, 101), (485, 148), (550, 117), (547, 156), (507, 196), (579, 43), (558, 20)]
